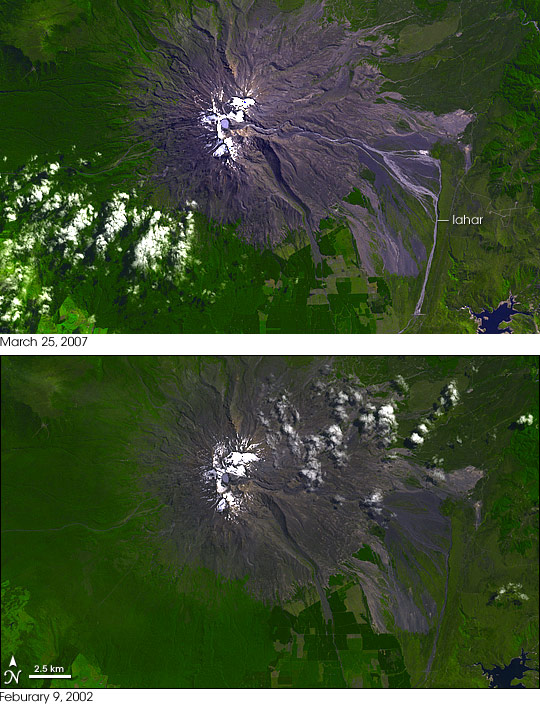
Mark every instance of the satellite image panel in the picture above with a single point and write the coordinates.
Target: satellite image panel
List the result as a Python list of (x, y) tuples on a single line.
[(269, 522), (269, 166)]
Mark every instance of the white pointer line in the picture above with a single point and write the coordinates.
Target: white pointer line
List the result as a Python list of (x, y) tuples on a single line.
[(49, 677), (443, 220)]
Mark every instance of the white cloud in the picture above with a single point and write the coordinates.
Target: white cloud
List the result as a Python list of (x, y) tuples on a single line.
[(451, 394), (402, 384), (151, 247), (367, 420), (115, 221), (339, 402), (83, 218), (386, 416), (37, 193), (334, 434), (48, 214), (287, 429), (526, 419), (312, 474), (512, 590)]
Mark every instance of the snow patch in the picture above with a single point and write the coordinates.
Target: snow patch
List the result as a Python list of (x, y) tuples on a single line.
[(221, 121), (231, 462)]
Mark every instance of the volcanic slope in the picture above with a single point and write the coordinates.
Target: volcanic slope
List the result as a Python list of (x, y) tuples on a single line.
[(272, 119), (282, 473)]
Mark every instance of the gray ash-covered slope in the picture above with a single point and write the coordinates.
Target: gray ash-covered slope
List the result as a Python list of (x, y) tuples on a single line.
[(282, 474), (271, 118)]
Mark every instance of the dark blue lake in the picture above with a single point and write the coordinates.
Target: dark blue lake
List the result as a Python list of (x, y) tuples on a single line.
[(490, 320), (502, 677)]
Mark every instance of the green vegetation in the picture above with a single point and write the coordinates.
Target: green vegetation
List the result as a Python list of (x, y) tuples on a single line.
[(516, 508), (415, 38), (356, 197), (199, 277), (495, 553), (366, 553), (345, 652), (476, 626), (356, 14), (479, 266), (16, 623)]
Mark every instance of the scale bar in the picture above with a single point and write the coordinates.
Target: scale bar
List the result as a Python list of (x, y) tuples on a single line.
[(49, 677)]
